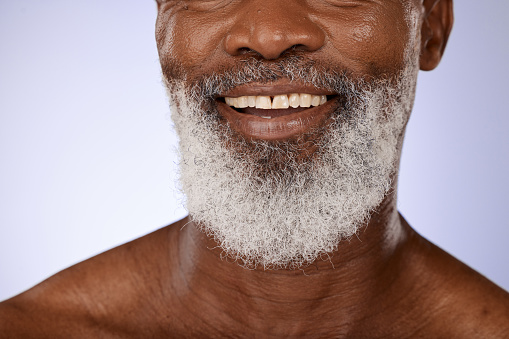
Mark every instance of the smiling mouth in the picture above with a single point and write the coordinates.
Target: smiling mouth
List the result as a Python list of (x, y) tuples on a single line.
[(277, 111)]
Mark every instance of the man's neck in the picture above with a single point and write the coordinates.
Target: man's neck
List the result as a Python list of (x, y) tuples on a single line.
[(356, 276)]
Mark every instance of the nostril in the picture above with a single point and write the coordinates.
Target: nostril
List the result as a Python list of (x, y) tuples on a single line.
[(294, 48), (298, 47), (244, 50)]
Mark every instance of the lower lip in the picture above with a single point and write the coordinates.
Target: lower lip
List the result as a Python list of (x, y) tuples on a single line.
[(283, 127)]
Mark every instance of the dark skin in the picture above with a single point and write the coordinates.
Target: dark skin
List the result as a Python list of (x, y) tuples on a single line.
[(387, 282)]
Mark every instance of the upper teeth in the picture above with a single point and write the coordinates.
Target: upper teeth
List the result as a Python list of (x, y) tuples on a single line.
[(293, 100)]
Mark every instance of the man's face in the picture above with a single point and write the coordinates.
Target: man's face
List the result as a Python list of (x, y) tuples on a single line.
[(279, 184), (366, 38)]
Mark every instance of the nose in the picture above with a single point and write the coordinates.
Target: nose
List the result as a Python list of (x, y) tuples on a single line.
[(270, 27)]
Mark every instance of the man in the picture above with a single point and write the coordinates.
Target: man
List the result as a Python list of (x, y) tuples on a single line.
[(291, 120)]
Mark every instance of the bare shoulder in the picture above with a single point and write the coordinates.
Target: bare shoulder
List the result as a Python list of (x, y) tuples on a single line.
[(99, 297), (457, 301)]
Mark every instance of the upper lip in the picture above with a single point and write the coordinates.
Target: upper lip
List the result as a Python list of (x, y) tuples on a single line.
[(276, 88)]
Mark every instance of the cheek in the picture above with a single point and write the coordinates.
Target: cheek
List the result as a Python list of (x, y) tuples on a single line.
[(191, 40), (369, 42)]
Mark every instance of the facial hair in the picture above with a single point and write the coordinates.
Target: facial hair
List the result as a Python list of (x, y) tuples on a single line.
[(272, 204)]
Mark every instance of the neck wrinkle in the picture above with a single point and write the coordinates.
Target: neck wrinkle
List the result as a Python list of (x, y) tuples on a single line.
[(360, 272)]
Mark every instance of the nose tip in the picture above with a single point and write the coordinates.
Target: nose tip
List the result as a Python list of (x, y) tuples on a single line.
[(270, 35)]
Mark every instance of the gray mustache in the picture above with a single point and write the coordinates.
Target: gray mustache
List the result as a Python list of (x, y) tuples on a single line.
[(297, 69)]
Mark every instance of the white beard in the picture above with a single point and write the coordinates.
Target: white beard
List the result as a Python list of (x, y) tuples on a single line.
[(289, 217)]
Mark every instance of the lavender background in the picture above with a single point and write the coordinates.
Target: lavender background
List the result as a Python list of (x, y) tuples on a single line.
[(86, 148)]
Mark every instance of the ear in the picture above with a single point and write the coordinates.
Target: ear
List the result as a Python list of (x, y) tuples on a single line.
[(435, 30)]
